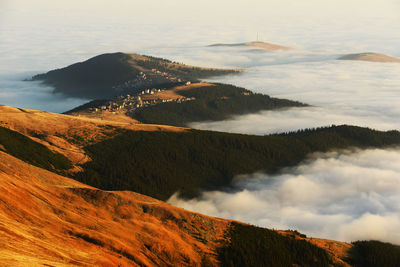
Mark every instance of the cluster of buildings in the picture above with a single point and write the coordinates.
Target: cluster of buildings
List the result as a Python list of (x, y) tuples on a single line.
[(143, 98), (129, 103), (167, 75), (143, 80)]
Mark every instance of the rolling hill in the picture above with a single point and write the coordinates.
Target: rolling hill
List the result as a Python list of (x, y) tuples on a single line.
[(108, 75), (372, 57)]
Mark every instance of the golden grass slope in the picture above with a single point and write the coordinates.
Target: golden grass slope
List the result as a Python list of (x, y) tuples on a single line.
[(49, 219), (56, 130), (174, 92)]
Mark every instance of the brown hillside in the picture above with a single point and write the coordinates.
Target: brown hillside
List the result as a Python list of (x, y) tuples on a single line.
[(174, 93), (47, 219), (58, 132), (53, 220)]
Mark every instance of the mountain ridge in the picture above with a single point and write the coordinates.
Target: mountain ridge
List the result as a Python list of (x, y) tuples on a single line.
[(108, 75)]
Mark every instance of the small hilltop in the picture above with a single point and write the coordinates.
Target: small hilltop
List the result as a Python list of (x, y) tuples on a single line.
[(370, 56), (257, 44)]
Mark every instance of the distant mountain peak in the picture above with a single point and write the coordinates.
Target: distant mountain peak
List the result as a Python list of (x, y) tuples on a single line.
[(370, 56), (257, 44)]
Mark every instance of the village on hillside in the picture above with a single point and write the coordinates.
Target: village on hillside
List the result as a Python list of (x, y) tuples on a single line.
[(147, 97), (143, 79), (130, 102)]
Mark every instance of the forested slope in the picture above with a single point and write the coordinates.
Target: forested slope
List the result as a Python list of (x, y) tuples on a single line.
[(159, 164), (211, 103)]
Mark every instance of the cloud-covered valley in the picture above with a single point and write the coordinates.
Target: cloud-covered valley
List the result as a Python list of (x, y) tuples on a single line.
[(348, 196)]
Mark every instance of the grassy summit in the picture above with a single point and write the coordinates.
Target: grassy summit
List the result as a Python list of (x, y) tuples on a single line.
[(107, 75)]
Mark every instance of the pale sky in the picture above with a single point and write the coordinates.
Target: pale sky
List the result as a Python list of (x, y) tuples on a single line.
[(202, 10)]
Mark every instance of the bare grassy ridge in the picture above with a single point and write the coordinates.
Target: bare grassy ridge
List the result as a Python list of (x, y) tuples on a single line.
[(68, 134)]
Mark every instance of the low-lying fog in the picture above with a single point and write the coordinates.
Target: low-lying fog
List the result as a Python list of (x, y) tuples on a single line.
[(16, 92), (342, 196), (341, 92)]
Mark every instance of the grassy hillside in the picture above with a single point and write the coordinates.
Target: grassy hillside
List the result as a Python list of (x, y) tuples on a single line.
[(32, 152), (56, 217), (106, 75), (255, 246), (211, 103), (160, 163)]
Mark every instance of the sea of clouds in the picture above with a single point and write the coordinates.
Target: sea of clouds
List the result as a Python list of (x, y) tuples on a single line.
[(340, 92), (343, 196), (347, 196)]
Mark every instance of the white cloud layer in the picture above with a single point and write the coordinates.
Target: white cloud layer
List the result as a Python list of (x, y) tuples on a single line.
[(342, 92), (33, 95), (342, 196), (41, 35)]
